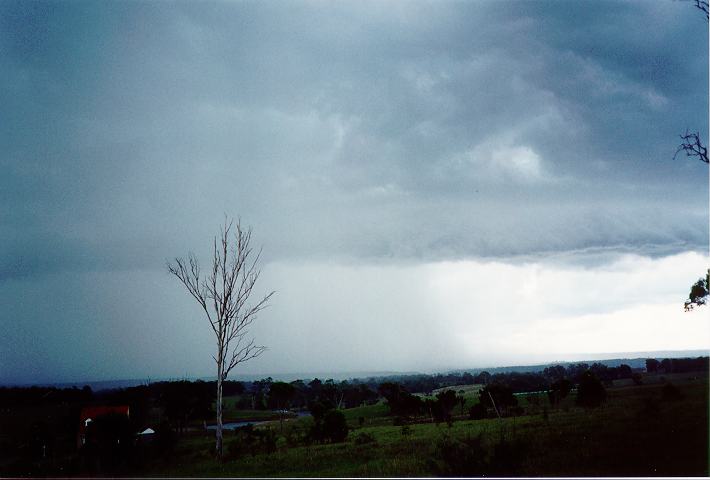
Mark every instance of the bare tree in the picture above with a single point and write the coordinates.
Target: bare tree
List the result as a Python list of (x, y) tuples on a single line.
[(692, 146), (224, 295)]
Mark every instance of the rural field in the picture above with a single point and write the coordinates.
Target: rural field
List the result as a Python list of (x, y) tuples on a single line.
[(656, 425), (636, 433)]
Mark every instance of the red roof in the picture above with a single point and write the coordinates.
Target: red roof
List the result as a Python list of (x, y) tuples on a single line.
[(95, 412)]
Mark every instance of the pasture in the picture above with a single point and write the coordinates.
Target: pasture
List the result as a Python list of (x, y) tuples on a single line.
[(635, 433)]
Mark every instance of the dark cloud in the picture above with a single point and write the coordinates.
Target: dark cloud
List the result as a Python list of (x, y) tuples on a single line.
[(396, 132)]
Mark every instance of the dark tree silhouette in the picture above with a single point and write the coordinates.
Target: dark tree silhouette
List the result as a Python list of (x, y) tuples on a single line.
[(224, 295), (693, 147), (447, 400), (590, 392), (335, 428), (498, 396), (652, 365), (399, 400), (280, 396), (699, 294)]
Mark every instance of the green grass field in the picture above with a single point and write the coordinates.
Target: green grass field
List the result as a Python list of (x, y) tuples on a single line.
[(636, 433)]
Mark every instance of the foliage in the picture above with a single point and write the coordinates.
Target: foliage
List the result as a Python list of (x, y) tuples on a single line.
[(399, 400), (699, 294), (446, 401), (590, 392), (280, 395), (183, 401), (335, 428), (329, 425), (498, 396), (652, 365)]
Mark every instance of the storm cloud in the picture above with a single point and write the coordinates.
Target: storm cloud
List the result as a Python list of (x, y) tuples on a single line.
[(403, 137)]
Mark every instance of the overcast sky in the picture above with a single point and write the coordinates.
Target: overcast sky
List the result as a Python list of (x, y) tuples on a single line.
[(435, 184)]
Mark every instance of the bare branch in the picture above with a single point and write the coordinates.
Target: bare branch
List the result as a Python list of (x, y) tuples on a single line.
[(703, 5), (692, 146)]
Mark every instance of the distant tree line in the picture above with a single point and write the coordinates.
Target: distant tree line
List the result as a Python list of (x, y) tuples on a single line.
[(677, 365), (33, 396)]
